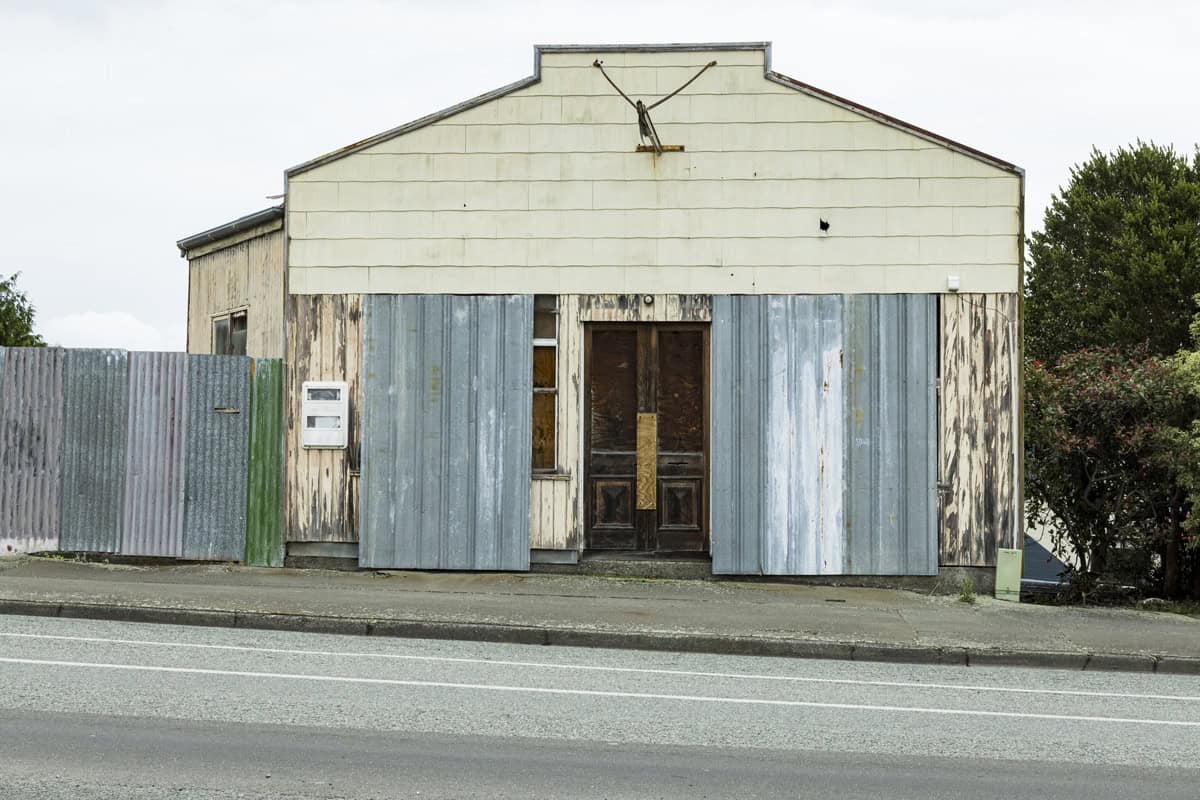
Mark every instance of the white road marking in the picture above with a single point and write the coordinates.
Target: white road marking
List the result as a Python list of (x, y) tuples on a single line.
[(486, 687), (628, 670)]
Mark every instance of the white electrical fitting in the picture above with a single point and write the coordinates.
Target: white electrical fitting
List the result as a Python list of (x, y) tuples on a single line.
[(325, 414)]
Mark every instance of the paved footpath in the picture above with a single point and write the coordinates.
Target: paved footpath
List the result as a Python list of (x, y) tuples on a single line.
[(712, 616)]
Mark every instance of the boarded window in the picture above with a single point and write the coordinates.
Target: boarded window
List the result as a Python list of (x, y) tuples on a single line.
[(545, 382), (229, 334)]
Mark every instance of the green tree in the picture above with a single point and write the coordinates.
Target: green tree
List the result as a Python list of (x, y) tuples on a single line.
[(16, 316), (1187, 364), (1108, 464), (1117, 263)]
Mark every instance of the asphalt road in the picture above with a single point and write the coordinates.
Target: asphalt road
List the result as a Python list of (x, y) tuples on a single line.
[(122, 710)]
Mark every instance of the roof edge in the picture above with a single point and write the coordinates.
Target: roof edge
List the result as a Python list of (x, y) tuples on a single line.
[(768, 74), (702, 47), (495, 94), (220, 232), (889, 120)]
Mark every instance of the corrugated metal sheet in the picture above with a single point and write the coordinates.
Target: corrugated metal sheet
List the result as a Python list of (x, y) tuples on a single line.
[(264, 482), (155, 455), (218, 409), (31, 436), (447, 438), (96, 389), (777, 435), (891, 444), (822, 409)]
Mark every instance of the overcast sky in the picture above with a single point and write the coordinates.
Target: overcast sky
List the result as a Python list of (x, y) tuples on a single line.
[(125, 126)]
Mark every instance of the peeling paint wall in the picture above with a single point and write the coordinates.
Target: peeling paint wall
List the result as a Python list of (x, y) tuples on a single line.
[(635, 308), (978, 439), (321, 496)]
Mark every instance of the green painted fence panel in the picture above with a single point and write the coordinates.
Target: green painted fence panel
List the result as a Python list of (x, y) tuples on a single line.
[(264, 479)]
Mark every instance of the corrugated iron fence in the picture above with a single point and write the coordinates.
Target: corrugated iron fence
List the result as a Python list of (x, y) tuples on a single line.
[(151, 454)]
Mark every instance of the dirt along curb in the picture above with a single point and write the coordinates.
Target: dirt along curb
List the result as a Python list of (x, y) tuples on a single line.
[(668, 641)]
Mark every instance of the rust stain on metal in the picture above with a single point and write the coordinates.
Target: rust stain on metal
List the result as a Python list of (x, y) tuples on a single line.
[(647, 457)]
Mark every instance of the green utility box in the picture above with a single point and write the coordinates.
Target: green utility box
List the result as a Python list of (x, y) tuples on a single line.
[(1008, 574)]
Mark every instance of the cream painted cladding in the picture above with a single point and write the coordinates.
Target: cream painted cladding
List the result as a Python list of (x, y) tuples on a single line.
[(245, 275), (539, 190)]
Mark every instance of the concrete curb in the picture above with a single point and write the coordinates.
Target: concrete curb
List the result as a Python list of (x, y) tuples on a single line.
[(671, 641)]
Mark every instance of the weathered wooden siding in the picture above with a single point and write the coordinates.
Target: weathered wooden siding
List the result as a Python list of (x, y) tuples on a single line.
[(542, 188), (555, 500), (246, 275), (321, 493), (634, 308), (554, 512), (976, 440)]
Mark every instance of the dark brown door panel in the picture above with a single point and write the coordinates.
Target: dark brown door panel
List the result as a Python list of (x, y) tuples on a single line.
[(647, 428)]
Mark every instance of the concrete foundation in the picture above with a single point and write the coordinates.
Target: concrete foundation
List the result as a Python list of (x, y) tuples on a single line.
[(948, 581)]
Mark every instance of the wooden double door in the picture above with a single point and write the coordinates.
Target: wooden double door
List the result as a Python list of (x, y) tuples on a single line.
[(646, 435)]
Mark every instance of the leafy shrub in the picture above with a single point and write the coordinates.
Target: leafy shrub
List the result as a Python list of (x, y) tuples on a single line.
[(1111, 465)]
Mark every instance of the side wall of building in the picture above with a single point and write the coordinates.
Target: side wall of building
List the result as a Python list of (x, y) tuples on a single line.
[(240, 274)]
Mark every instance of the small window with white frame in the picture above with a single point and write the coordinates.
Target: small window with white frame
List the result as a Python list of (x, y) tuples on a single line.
[(545, 382)]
